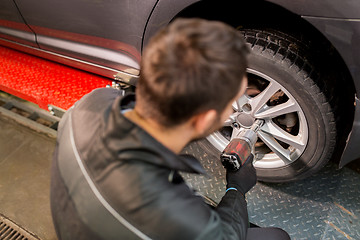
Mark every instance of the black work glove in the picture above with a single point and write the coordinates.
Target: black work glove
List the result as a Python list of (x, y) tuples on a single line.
[(244, 178)]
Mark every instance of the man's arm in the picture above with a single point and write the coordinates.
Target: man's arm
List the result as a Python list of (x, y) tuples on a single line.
[(233, 213), (232, 220)]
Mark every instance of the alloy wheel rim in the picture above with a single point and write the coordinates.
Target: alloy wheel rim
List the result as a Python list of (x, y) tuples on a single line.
[(283, 137)]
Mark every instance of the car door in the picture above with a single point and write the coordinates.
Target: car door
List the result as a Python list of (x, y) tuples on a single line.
[(12, 26), (103, 32)]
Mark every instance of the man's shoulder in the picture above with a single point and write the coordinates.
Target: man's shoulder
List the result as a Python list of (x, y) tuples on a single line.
[(97, 98)]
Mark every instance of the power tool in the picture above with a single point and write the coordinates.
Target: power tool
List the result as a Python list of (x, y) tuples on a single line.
[(240, 147)]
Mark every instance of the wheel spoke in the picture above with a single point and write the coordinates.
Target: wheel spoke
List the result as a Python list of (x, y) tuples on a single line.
[(278, 110), (261, 99), (283, 153), (276, 132), (232, 118), (240, 102)]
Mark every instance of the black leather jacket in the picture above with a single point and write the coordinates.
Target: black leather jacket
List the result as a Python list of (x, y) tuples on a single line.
[(112, 180)]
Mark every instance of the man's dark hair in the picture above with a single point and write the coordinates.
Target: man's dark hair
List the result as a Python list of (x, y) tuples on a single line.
[(189, 67)]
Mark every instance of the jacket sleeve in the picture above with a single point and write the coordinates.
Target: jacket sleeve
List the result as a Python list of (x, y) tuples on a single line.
[(229, 220)]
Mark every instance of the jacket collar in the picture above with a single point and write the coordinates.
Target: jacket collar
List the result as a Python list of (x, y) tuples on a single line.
[(130, 142)]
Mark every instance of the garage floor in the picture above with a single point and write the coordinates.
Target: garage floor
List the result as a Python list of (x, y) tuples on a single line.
[(325, 206), (25, 158)]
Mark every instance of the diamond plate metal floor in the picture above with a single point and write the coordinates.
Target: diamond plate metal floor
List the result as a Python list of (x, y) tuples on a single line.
[(324, 206)]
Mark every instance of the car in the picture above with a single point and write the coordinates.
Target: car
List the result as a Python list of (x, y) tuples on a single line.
[(303, 69)]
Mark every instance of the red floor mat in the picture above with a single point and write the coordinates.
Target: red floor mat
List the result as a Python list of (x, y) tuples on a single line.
[(44, 82)]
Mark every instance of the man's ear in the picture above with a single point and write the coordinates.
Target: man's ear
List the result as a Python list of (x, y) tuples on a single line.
[(204, 121)]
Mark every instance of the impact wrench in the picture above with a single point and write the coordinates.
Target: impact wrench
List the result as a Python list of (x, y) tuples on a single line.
[(240, 147)]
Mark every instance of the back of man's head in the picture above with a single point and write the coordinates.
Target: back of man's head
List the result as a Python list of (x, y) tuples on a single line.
[(189, 67)]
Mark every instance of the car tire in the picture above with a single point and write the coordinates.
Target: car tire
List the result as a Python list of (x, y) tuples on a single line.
[(283, 60)]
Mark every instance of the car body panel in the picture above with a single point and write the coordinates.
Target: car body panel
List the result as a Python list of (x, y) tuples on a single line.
[(163, 13), (345, 37), (102, 32), (12, 25), (351, 151), (347, 9)]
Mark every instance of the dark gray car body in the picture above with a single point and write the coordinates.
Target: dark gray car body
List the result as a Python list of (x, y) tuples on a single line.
[(106, 37)]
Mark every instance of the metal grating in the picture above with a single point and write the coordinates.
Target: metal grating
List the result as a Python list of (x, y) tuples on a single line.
[(10, 231), (325, 206), (28, 114)]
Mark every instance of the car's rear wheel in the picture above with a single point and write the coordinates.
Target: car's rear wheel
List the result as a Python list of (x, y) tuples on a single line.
[(285, 90)]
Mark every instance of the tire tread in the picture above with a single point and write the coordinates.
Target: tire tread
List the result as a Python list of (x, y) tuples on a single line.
[(295, 55)]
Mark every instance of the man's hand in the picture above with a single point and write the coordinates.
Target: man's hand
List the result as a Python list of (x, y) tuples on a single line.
[(244, 178)]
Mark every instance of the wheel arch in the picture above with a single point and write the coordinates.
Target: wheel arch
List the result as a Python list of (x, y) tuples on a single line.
[(262, 15), (256, 14)]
